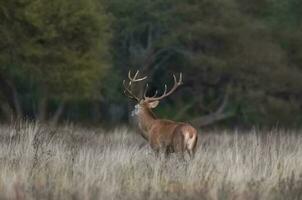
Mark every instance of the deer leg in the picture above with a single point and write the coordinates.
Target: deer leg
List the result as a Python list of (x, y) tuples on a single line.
[(169, 150), (181, 156), (155, 149), (191, 154), (193, 149), (162, 153)]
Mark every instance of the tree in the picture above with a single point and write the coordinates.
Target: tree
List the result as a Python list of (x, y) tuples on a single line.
[(51, 51)]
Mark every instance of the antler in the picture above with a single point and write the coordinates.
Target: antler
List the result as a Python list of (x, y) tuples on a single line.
[(165, 94), (146, 90), (127, 89)]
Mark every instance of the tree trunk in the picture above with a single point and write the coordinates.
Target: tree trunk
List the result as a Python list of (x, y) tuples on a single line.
[(96, 113), (7, 112), (9, 91), (42, 109), (56, 117), (17, 104)]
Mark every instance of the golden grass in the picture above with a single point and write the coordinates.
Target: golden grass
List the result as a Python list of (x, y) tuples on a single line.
[(41, 162)]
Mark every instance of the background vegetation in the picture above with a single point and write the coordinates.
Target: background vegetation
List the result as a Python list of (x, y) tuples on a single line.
[(65, 60)]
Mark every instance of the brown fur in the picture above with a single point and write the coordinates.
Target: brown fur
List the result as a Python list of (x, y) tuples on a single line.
[(165, 135)]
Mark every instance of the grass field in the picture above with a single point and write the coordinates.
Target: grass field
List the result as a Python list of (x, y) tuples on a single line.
[(40, 162)]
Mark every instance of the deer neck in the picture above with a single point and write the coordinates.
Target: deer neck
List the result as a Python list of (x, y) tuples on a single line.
[(146, 119)]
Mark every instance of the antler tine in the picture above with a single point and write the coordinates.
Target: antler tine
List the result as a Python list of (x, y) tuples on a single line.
[(166, 87), (146, 90), (129, 74), (135, 75), (134, 79), (131, 97), (165, 94), (128, 92), (155, 93), (174, 77), (180, 79), (179, 82)]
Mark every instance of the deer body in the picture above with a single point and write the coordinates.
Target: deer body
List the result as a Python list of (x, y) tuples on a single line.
[(171, 137), (163, 135)]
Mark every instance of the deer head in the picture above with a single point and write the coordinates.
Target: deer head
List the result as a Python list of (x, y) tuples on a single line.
[(146, 102)]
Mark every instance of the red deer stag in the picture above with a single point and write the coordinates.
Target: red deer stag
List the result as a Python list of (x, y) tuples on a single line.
[(163, 135)]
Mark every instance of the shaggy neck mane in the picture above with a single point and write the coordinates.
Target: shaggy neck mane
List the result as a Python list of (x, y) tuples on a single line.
[(146, 119)]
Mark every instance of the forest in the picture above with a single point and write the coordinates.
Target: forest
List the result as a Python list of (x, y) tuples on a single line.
[(65, 61)]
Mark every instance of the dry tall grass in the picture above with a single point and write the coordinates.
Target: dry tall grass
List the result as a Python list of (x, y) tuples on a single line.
[(39, 162)]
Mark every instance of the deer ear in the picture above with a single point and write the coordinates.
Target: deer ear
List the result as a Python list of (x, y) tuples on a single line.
[(153, 104)]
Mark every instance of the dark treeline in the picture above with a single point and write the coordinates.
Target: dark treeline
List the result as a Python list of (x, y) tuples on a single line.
[(65, 60)]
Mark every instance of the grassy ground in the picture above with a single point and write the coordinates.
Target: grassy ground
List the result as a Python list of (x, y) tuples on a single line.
[(40, 162)]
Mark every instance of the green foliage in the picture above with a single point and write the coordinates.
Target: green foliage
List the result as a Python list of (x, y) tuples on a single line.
[(250, 52), (60, 46), (54, 49)]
